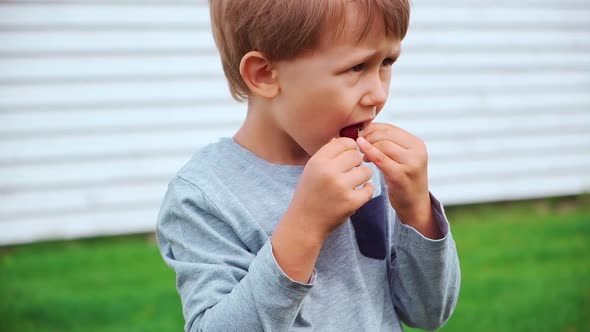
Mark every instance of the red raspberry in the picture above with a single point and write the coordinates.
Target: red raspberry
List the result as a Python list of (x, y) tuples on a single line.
[(352, 131)]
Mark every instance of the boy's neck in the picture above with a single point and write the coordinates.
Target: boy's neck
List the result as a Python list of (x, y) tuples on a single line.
[(260, 135)]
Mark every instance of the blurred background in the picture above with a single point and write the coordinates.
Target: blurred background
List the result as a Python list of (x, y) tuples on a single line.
[(101, 102)]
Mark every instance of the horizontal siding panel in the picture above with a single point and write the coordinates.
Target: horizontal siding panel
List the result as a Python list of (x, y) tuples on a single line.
[(491, 104), (48, 41), (195, 129), (491, 82), (88, 173), (474, 62), (116, 15), (96, 201), (501, 17), (113, 15), (117, 145), (493, 152), (170, 67), (437, 105), (26, 205), (521, 39), (454, 171), (41, 124), (163, 3), (511, 188), (424, 3), (130, 219), (483, 126), (26, 94), (121, 14), (15, 95), (517, 5), (115, 68), (108, 172), (506, 146), (84, 122)]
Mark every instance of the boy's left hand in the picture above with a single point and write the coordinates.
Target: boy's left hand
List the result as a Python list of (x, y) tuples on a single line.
[(403, 160)]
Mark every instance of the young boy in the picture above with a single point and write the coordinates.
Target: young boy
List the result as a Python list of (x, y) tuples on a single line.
[(289, 225)]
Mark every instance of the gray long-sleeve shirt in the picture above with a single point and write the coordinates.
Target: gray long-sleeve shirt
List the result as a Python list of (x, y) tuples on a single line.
[(214, 230)]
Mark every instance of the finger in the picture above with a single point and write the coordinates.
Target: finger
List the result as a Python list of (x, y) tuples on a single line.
[(374, 155), (358, 176), (363, 195), (348, 160), (376, 126), (395, 152), (378, 132), (336, 146)]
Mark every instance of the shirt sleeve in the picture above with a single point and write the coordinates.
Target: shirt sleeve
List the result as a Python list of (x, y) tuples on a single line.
[(424, 274), (223, 286)]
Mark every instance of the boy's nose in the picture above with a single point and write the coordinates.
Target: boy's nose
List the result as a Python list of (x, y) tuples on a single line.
[(376, 94)]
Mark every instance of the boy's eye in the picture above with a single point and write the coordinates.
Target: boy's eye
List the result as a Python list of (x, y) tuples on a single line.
[(388, 62), (358, 67)]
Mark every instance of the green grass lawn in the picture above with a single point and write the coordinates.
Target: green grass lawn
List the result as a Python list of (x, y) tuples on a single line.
[(525, 267)]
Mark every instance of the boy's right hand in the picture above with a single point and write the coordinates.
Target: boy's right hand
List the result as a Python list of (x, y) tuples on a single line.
[(328, 191)]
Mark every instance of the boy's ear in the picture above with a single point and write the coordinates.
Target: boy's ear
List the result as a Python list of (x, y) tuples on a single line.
[(259, 74)]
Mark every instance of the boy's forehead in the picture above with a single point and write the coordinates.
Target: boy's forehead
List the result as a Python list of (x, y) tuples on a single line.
[(352, 28)]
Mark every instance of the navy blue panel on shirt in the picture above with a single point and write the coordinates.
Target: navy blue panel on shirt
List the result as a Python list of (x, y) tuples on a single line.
[(369, 227)]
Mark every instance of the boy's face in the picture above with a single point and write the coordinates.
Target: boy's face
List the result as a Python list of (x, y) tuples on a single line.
[(338, 84)]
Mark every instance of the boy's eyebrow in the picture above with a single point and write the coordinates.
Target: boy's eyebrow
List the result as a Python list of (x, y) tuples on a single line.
[(373, 54), (395, 56)]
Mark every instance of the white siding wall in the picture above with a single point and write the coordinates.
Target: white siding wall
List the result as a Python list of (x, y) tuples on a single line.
[(102, 101)]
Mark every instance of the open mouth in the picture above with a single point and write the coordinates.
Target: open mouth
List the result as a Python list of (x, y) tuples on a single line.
[(352, 131)]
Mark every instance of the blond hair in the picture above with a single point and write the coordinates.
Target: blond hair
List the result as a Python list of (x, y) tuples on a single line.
[(283, 29)]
